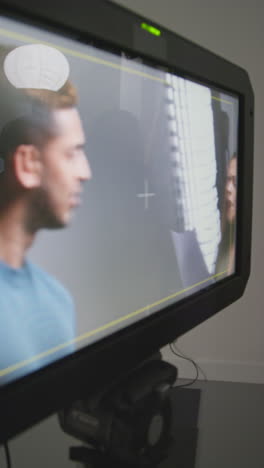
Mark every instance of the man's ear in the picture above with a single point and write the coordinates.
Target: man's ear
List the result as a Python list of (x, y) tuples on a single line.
[(28, 165)]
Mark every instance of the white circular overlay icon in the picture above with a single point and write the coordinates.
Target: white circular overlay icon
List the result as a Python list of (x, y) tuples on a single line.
[(36, 66)]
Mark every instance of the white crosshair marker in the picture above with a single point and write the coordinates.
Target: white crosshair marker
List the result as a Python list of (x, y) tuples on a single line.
[(146, 194)]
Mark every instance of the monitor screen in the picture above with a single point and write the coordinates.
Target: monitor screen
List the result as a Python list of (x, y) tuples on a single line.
[(118, 193)]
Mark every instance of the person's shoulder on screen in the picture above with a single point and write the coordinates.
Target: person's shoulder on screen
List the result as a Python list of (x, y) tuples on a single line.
[(49, 280), (50, 286)]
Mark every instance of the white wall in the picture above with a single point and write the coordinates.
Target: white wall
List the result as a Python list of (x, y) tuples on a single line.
[(229, 346)]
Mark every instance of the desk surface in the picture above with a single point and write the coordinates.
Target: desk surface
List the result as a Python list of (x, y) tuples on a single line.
[(230, 432)]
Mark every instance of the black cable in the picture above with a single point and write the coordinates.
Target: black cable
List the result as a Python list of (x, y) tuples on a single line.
[(7, 454), (196, 366)]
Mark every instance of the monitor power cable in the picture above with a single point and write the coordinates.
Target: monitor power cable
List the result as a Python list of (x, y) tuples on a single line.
[(7, 455), (177, 352)]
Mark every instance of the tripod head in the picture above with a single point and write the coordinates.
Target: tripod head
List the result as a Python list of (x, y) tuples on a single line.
[(129, 422)]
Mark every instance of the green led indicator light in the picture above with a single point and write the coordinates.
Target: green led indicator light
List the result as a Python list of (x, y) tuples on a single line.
[(151, 29)]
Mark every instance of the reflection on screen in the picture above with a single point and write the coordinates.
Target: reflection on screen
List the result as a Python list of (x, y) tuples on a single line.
[(118, 193)]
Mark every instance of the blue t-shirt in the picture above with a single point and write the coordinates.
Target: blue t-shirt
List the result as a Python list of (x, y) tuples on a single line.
[(37, 320)]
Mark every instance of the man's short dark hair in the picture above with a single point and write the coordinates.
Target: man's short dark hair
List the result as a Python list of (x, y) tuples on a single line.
[(26, 115)]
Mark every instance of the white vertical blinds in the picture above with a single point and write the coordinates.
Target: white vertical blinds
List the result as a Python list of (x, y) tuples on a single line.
[(193, 163)]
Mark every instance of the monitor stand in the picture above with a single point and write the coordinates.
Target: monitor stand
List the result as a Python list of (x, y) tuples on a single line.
[(127, 426)]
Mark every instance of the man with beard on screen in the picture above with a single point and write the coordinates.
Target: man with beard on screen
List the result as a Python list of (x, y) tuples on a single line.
[(43, 168)]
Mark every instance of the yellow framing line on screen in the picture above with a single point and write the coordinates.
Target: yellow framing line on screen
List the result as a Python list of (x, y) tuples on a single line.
[(23, 38), (222, 100), (82, 337), (74, 53), (28, 39)]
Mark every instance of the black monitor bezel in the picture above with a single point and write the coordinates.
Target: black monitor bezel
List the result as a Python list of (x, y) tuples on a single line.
[(34, 397)]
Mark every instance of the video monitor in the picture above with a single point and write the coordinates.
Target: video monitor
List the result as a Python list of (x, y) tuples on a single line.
[(119, 200)]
